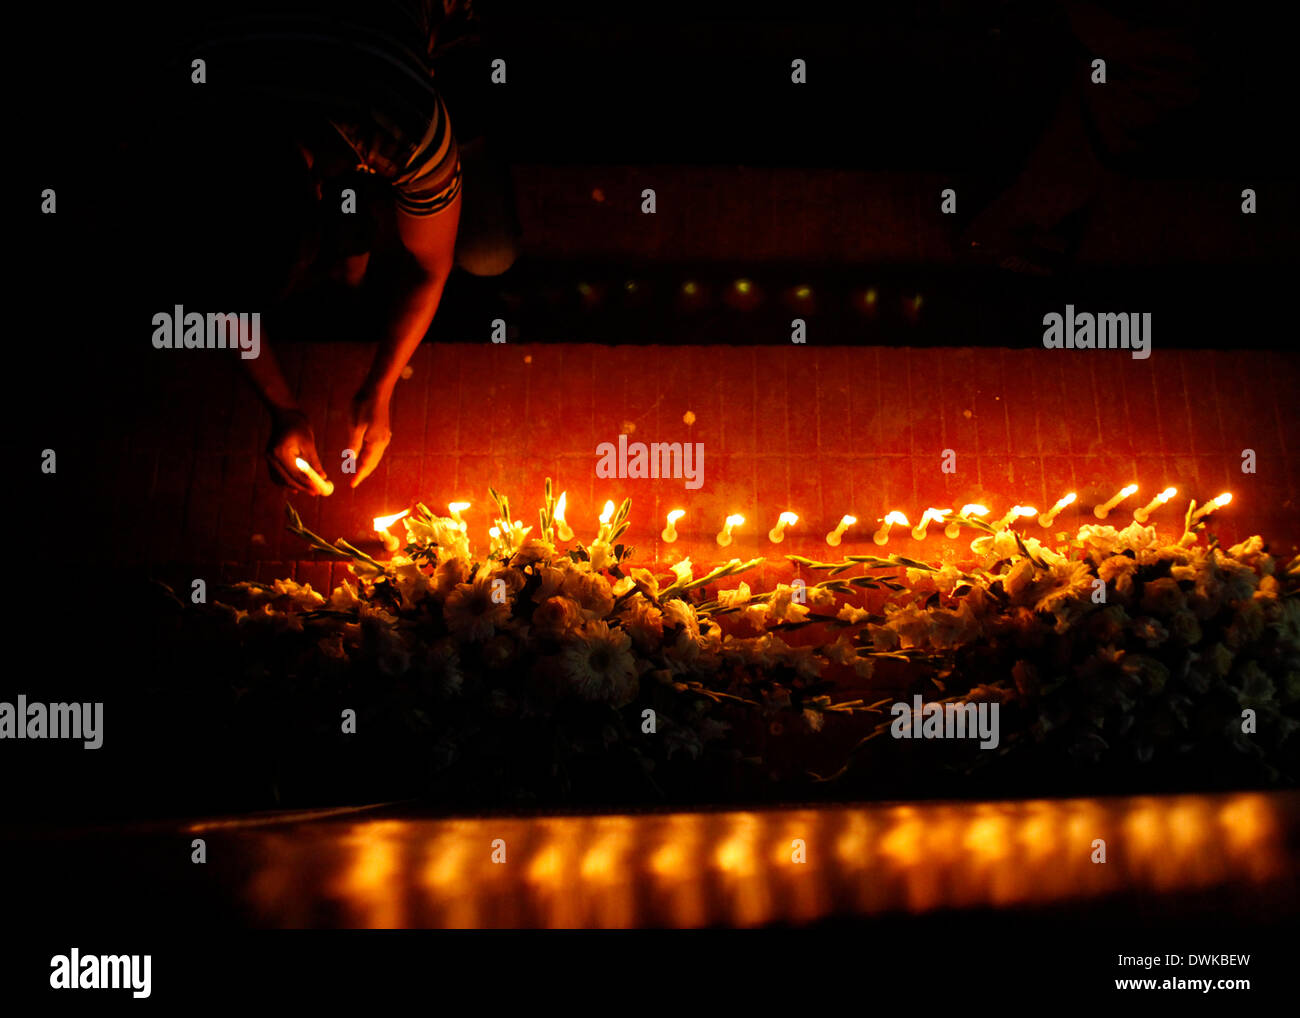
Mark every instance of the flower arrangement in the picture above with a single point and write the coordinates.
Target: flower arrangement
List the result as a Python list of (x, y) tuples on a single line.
[(534, 668)]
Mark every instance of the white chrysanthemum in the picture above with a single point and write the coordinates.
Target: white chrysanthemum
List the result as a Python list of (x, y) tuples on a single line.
[(643, 622), (738, 597), (679, 613), (471, 612), (599, 666), (783, 605), (344, 597), (300, 595)]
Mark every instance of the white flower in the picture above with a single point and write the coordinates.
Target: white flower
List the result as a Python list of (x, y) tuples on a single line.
[(737, 597), (344, 597), (784, 607), (682, 571), (679, 613), (853, 615), (472, 613), (599, 665), (301, 596)]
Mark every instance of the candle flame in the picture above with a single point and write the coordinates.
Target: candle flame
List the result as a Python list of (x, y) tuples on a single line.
[(1067, 500), (1223, 499), (848, 521), (1167, 494), (457, 507), (1128, 490), (735, 520), (494, 531), (788, 518), (559, 506), (897, 517), (1024, 510), (675, 515), (608, 514), (384, 522), (936, 515), (974, 509)]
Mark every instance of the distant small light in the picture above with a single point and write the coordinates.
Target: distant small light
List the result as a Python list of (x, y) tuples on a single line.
[(803, 292), (597, 195), (871, 296), (743, 286), (916, 302), (584, 289), (630, 286), (690, 288)]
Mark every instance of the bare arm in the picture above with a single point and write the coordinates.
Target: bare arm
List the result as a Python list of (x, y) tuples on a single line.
[(412, 278)]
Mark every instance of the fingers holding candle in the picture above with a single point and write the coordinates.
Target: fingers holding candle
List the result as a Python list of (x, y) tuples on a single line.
[(321, 485)]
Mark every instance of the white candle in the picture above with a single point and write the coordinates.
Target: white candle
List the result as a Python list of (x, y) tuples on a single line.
[(882, 535), (670, 532), (1213, 504), (1049, 517), (953, 530), (777, 534), (562, 529), (937, 515), (1141, 515), (1017, 512), (1103, 510), (382, 523), (456, 508), (724, 538), (834, 537), (323, 486), (605, 517)]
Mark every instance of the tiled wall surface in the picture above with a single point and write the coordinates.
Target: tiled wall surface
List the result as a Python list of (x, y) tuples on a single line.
[(821, 432)]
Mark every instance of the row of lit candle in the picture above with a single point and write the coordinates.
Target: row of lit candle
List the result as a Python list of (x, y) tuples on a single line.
[(952, 522)]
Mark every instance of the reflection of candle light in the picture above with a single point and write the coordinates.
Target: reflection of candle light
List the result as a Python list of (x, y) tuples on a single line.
[(562, 529), (882, 535), (833, 538), (1213, 504), (1140, 515), (777, 534), (456, 508), (323, 486), (1103, 510), (1017, 512), (724, 538), (1049, 517), (937, 515), (670, 532), (382, 523), (953, 530)]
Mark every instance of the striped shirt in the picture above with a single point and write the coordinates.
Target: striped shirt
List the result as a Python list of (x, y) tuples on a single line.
[(352, 80)]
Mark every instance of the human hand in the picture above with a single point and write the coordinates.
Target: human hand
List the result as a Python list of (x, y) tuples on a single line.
[(291, 438), (370, 430)]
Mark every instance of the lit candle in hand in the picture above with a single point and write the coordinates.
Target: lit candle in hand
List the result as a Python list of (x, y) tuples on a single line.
[(670, 532), (724, 538), (937, 515), (1140, 515), (834, 537), (882, 535), (1213, 504), (953, 530), (1049, 517), (777, 534), (1017, 512), (382, 523), (1103, 510), (323, 486), (562, 529)]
